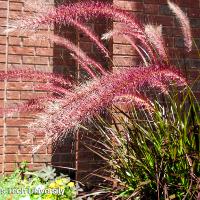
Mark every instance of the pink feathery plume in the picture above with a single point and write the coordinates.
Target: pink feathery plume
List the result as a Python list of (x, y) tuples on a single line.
[(68, 20), (128, 35), (74, 13), (80, 11), (185, 24), (137, 49), (76, 50), (154, 35), (138, 100), (52, 88), (89, 33), (33, 105), (37, 76), (89, 99), (84, 66)]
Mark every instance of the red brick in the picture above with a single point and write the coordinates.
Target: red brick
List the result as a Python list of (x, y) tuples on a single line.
[(23, 131), (14, 59), (15, 41), (2, 58), (10, 167), (129, 5), (1, 167), (1, 150), (13, 14), (21, 50), (2, 49), (11, 149), (18, 122), (36, 166), (2, 40), (151, 8), (1, 94), (11, 140), (24, 157), (35, 60), (44, 52), (35, 43), (1, 122), (3, 13), (12, 131), (1, 159), (164, 20), (1, 132), (1, 140), (10, 158), (13, 95), (25, 149), (193, 12), (16, 6), (124, 49), (20, 86), (124, 60), (3, 4)]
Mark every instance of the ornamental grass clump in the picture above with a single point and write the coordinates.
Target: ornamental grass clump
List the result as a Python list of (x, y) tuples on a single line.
[(152, 155), (69, 104)]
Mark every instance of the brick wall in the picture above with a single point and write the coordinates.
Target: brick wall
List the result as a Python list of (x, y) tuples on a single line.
[(16, 50)]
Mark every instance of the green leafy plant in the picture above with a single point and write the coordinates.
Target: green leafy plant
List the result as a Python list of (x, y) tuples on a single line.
[(43, 184), (154, 155)]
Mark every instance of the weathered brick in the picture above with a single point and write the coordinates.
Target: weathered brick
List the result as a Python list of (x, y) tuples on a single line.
[(40, 158), (36, 166)]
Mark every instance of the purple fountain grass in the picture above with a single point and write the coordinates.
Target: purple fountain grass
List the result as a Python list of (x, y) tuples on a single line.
[(84, 66), (136, 99), (73, 14), (67, 106), (129, 35), (33, 22), (185, 24), (79, 11), (130, 40), (52, 88), (34, 105), (79, 54), (90, 98), (154, 34), (89, 33)]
